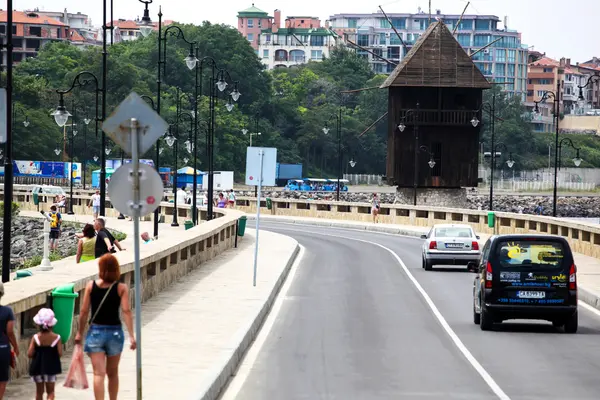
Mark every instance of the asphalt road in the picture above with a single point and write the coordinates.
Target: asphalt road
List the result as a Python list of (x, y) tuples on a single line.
[(354, 324)]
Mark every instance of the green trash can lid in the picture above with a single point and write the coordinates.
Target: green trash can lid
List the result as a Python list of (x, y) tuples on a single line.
[(67, 290), (23, 273), (243, 217)]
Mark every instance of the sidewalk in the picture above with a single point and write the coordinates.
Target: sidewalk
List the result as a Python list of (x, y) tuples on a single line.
[(588, 268), (195, 332)]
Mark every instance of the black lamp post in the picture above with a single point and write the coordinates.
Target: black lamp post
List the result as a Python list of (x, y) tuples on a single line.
[(338, 122), (8, 166), (61, 116), (592, 79), (401, 128), (556, 100), (490, 109), (431, 161)]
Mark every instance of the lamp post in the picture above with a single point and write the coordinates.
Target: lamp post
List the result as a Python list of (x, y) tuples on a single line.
[(338, 122), (431, 161), (61, 116), (556, 107), (256, 129), (8, 167), (401, 128), (592, 79), (490, 109), (494, 154)]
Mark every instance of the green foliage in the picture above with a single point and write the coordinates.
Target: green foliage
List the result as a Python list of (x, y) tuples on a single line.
[(14, 211), (37, 260)]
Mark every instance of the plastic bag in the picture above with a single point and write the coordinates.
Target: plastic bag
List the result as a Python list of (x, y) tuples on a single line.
[(76, 377)]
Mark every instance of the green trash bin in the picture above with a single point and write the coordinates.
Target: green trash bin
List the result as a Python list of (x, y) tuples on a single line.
[(491, 219), (269, 203), (63, 304), (36, 199), (24, 273), (188, 225), (242, 225)]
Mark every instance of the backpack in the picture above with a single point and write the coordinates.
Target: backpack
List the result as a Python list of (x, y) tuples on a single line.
[(54, 217)]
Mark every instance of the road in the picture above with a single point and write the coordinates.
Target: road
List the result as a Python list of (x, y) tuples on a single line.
[(360, 319)]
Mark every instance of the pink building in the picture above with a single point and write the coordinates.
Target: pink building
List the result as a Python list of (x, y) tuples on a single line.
[(252, 21)]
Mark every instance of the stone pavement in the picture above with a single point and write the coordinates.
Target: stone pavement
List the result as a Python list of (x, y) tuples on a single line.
[(588, 268), (195, 332)]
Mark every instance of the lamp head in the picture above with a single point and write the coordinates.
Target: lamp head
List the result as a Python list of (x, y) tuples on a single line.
[(510, 163), (95, 158), (87, 121), (57, 150), (170, 140), (107, 151), (221, 85), (325, 130), (431, 163), (146, 23), (577, 160), (244, 131), (401, 127), (235, 95), (191, 60), (352, 163), (61, 115), (229, 106), (474, 122)]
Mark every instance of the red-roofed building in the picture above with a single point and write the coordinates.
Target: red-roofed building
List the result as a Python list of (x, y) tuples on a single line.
[(543, 76), (31, 31)]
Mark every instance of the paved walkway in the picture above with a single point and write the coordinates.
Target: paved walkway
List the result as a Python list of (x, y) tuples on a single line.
[(193, 326), (588, 268)]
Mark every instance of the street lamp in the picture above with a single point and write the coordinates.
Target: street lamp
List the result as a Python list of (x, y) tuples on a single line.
[(57, 149), (95, 158), (338, 122), (556, 107), (431, 161), (352, 163), (592, 79), (566, 141), (86, 122), (493, 156), (401, 128), (71, 150), (490, 109), (256, 132), (146, 23)]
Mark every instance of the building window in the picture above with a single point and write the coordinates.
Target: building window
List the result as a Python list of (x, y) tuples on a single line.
[(500, 69), (265, 53), (316, 55), (500, 55), (481, 40), (540, 93), (399, 23), (544, 81), (250, 23), (393, 53), (382, 38), (511, 70), (352, 22), (465, 25), (482, 24), (423, 24), (251, 37), (317, 40), (35, 31), (530, 93), (512, 56), (547, 69), (260, 23), (394, 39), (464, 39), (363, 40), (268, 38), (383, 23)]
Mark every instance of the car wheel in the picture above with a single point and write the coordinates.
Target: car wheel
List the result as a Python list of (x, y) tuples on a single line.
[(476, 315), (427, 265), (572, 323), (423, 262), (486, 322), (557, 324)]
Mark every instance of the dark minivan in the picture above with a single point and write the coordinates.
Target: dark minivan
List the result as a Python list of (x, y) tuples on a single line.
[(526, 277)]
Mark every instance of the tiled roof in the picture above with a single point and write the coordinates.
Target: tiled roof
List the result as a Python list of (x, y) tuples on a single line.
[(252, 10), (76, 36), (20, 17), (124, 24), (547, 61)]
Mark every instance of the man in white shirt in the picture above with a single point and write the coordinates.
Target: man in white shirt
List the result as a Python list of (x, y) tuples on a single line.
[(95, 203), (181, 196)]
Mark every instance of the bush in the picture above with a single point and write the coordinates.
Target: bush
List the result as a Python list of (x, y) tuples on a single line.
[(120, 236), (15, 209)]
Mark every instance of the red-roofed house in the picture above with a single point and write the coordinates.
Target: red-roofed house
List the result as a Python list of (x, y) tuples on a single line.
[(542, 76), (31, 31), (125, 30)]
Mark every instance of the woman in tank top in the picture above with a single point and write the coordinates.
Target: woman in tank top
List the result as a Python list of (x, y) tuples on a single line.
[(104, 341), (87, 244)]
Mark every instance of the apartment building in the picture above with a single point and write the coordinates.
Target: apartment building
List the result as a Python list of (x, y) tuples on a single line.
[(504, 62), (31, 31), (301, 39)]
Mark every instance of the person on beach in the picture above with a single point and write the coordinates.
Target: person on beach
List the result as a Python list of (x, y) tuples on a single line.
[(104, 341), (45, 351)]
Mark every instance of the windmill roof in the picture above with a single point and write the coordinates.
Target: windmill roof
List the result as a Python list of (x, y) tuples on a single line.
[(437, 60)]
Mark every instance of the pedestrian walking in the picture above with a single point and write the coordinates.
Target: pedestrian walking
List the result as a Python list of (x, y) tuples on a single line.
[(95, 204), (45, 351), (105, 241), (7, 339), (86, 246), (231, 199), (375, 206), (105, 339), (55, 223)]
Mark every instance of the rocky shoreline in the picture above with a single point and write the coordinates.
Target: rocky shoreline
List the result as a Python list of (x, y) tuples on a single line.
[(570, 207)]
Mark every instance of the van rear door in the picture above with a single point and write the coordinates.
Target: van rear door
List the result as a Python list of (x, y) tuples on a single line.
[(531, 271)]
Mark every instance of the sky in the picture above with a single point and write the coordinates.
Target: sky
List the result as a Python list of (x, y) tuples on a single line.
[(558, 28)]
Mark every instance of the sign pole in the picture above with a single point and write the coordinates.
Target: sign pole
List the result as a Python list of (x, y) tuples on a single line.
[(260, 179), (136, 251)]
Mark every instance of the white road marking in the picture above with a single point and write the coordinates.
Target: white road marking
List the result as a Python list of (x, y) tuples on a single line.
[(237, 382), (436, 312)]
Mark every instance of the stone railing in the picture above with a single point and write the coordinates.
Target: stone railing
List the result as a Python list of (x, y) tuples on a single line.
[(162, 262), (584, 238)]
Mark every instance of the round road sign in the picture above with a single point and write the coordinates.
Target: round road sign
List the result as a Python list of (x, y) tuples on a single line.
[(120, 189)]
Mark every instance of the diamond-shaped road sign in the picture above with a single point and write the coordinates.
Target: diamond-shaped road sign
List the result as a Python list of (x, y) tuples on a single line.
[(151, 125)]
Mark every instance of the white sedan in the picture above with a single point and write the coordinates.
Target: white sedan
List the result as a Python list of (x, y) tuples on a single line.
[(450, 244)]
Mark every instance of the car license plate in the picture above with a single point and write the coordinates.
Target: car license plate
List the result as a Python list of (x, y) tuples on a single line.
[(454, 245), (531, 295)]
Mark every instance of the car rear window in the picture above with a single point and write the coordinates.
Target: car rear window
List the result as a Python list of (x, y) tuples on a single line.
[(530, 253), (453, 232)]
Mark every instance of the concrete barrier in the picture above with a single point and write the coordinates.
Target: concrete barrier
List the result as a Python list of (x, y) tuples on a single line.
[(162, 262)]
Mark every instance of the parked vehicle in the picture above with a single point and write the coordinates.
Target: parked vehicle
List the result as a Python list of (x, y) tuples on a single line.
[(526, 277), (450, 244)]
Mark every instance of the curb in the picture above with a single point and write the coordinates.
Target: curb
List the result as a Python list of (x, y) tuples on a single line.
[(591, 299), (227, 367)]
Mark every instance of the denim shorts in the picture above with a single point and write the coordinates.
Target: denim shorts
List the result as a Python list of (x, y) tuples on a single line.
[(106, 339), (96, 209)]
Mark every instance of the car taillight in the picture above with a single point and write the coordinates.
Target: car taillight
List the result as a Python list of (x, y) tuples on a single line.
[(488, 276), (573, 277), (475, 245), (433, 245)]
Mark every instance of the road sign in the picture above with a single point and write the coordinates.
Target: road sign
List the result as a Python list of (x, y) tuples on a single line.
[(120, 189), (152, 126), (253, 163)]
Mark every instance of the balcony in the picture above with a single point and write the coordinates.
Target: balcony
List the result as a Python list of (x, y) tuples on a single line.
[(438, 117)]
